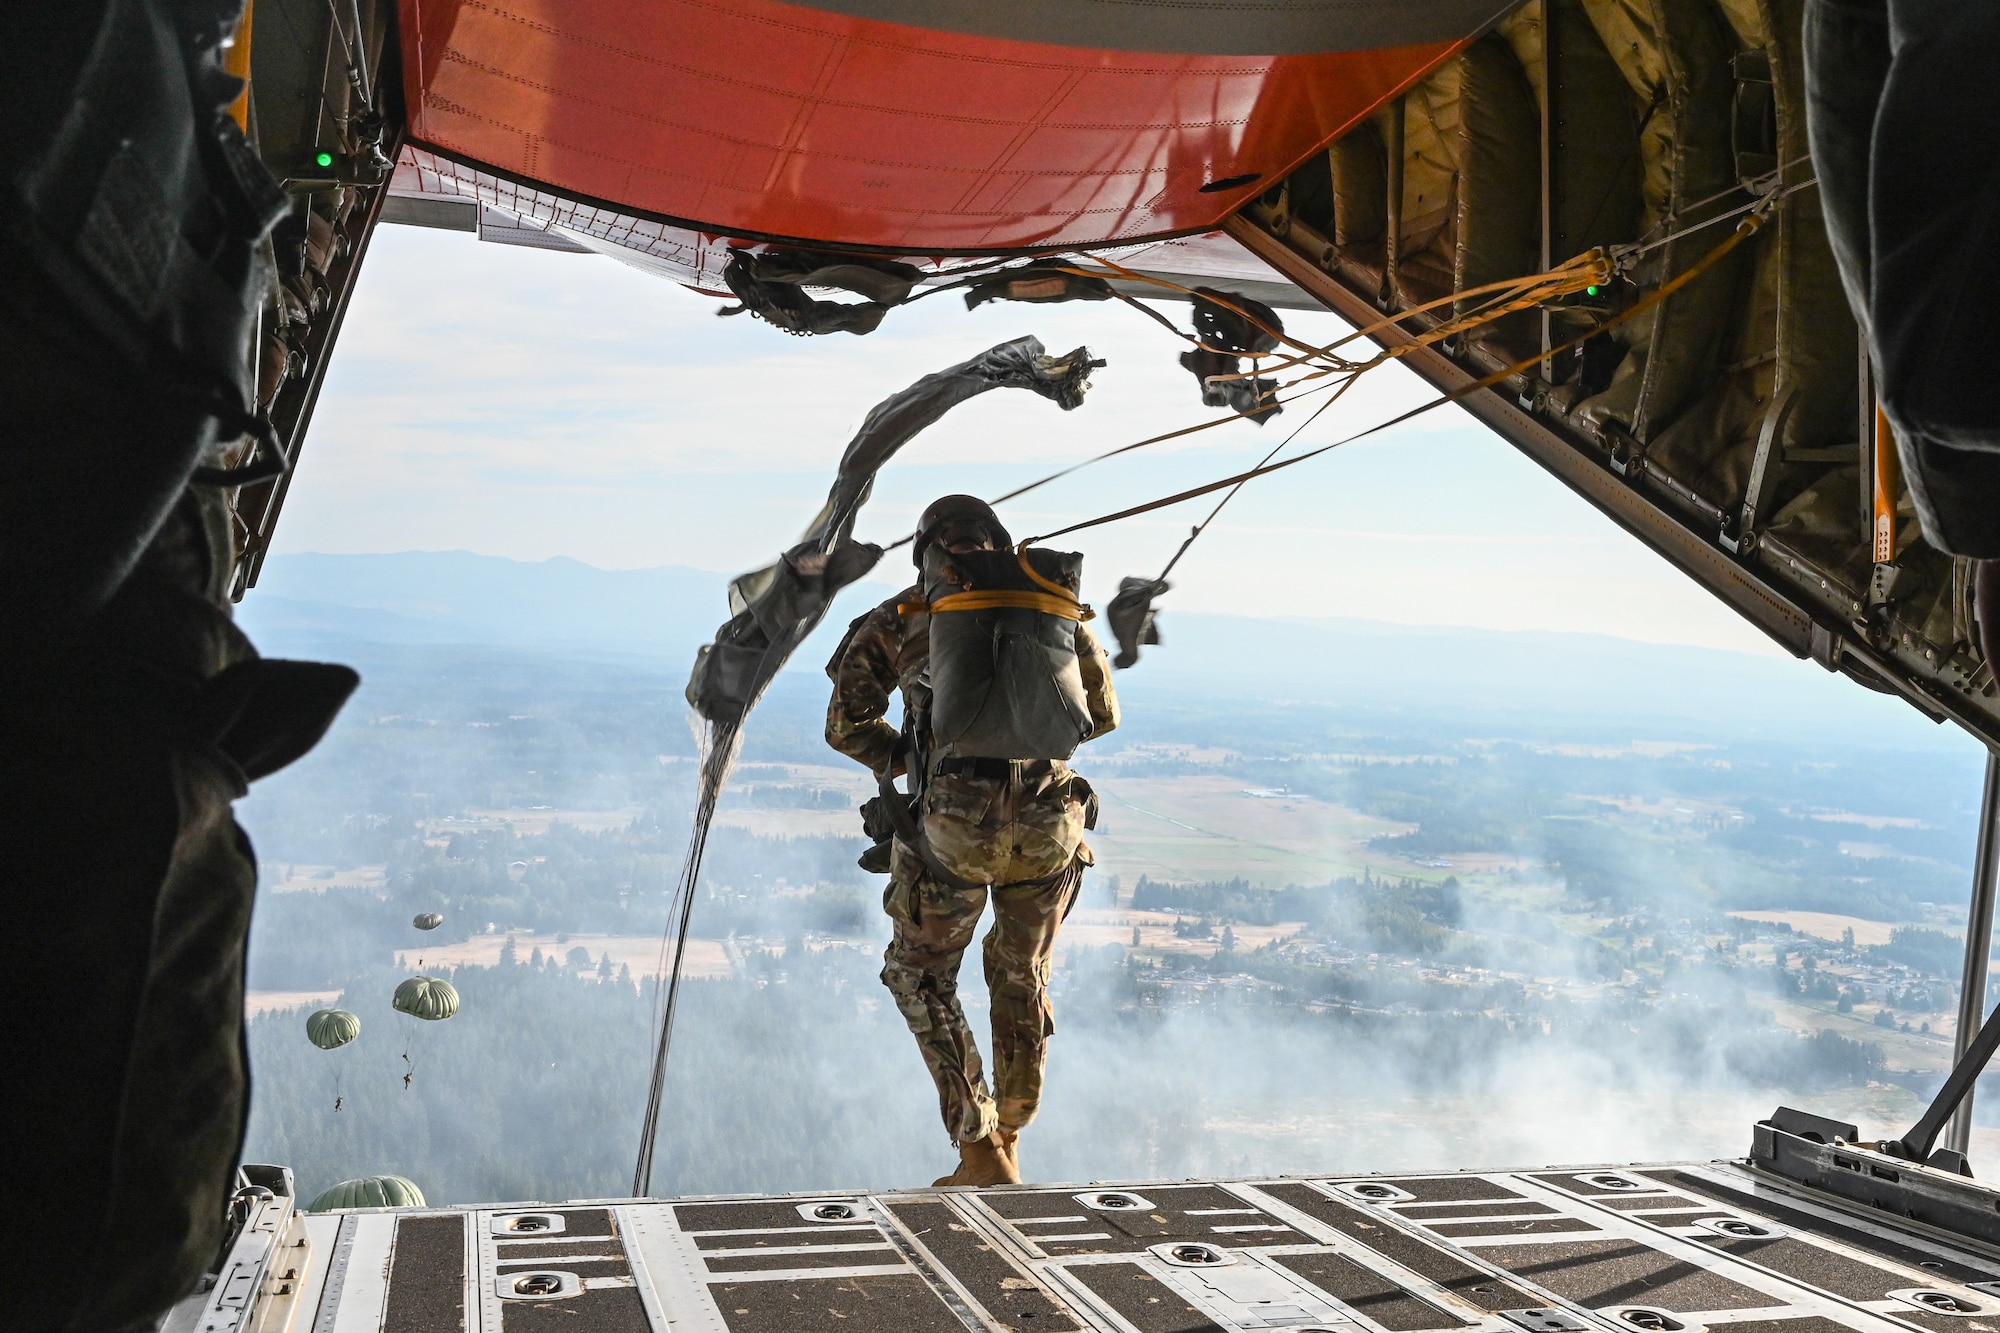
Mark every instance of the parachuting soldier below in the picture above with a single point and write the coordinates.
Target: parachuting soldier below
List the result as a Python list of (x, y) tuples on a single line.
[(1000, 682)]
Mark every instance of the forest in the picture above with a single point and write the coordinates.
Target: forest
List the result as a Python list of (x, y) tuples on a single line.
[(801, 1072), (1513, 941)]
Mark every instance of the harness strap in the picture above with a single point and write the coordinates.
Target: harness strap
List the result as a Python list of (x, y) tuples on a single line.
[(897, 807), (999, 598)]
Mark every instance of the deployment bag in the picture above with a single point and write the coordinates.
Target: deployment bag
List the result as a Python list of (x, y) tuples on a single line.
[(1005, 682)]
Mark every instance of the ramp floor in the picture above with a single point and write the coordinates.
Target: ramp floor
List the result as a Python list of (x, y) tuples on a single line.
[(1658, 1249)]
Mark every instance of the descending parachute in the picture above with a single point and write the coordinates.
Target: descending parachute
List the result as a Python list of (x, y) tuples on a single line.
[(427, 920), (369, 1192), (430, 998), (331, 1029)]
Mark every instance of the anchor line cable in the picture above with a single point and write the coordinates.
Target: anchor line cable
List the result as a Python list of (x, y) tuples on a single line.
[(1058, 475), (1276, 449), (1572, 274), (673, 944), (1623, 255), (1769, 178), (1748, 227), (1507, 297)]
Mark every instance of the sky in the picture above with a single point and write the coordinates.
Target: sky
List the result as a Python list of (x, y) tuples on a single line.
[(531, 404)]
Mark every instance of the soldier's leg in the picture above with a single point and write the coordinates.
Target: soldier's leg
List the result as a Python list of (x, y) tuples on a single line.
[(933, 926), (1018, 952)]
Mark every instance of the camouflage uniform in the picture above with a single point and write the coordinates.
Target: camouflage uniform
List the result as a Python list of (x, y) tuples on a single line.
[(1018, 839)]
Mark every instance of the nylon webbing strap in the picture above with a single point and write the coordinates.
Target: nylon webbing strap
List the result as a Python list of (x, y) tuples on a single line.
[(1744, 230), (1001, 599)]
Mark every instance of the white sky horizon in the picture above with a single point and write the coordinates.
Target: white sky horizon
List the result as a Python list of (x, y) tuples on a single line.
[(886, 586), (529, 404)]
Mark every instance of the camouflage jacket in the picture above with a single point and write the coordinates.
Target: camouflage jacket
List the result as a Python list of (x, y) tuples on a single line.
[(886, 651)]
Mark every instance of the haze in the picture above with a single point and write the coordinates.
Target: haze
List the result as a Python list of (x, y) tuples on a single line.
[(1448, 828)]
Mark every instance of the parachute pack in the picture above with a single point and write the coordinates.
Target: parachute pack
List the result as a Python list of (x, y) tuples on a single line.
[(1004, 677)]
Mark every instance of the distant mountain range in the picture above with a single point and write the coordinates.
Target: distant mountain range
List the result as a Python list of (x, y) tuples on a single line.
[(330, 605), (456, 597)]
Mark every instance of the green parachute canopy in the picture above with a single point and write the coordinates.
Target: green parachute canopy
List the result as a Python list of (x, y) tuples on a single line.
[(331, 1029), (429, 998), (427, 920), (370, 1192)]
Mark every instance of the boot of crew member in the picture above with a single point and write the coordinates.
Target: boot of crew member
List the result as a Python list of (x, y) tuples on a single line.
[(984, 1161), (1010, 1143)]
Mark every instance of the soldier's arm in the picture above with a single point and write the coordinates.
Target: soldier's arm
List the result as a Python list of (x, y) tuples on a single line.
[(864, 680), (1097, 688)]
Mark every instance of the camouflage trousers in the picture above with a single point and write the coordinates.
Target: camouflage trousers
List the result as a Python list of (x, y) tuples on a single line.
[(920, 968), (1023, 832)]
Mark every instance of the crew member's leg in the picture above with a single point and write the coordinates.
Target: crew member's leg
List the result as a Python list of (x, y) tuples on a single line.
[(1018, 952), (933, 925)]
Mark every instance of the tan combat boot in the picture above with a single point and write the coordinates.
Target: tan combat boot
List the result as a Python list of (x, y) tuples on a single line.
[(983, 1162), (1010, 1141)]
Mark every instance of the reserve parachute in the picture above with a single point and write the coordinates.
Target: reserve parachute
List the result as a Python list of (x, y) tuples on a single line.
[(330, 1030), (427, 920)]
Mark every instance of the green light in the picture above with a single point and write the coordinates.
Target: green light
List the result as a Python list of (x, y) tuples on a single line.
[(1588, 291), (326, 160)]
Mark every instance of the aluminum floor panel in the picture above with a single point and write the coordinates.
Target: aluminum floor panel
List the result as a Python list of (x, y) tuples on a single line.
[(1697, 1248)]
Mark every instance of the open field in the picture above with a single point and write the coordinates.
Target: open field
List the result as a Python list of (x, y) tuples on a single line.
[(1213, 828), (1927, 1053), (1824, 925), (533, 820), (641, 953), (278, 878), (1095, 926), (782, 823), (849, 777), (276, 1001)]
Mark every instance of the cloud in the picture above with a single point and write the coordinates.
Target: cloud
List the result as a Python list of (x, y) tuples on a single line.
[(532, 404)]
